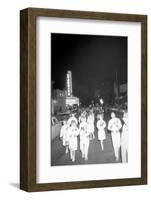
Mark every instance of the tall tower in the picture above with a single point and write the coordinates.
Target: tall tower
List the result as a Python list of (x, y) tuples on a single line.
[(69, 83), (70, 99)]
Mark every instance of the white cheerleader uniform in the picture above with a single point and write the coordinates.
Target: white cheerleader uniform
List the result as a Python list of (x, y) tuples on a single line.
[(64, 134), (84, 139), (73, 142), (124, 140), (101, 132), (114, 126)]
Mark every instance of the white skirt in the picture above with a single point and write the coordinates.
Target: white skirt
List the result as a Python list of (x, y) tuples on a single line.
[(73, 143), (90, 128), (101, 135), (65, 142)]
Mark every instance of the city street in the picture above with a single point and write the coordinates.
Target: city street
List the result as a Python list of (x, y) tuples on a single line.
[(95, 155)]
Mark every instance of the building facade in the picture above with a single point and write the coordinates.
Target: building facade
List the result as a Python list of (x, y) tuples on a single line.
[(61, 99)]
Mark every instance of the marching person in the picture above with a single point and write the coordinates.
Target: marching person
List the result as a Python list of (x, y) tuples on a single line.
[(64, 135), (84, 138), (83, 115), (101, 103), (90, 121), (124, 138), (114, 126), (73, 141), (101, 124)]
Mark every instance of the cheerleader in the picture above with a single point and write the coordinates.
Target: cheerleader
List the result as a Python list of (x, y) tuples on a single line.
[(73, 143), (84, 138), (83, 115), (64, 135), (114, 126), (124, 138), (90, 121), (101, 124)]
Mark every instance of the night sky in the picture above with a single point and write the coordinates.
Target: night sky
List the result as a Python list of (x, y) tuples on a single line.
[(93, 60)]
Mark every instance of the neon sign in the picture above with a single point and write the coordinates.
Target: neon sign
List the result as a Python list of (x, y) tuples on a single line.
[(69, 84)]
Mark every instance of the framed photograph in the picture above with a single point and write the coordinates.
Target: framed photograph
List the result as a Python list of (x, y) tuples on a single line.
[(83, 99)]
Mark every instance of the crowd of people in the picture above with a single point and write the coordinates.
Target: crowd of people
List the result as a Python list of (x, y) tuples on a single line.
[(86, 124)]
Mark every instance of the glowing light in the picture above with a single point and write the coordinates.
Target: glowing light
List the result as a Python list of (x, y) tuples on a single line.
[(69, 83)]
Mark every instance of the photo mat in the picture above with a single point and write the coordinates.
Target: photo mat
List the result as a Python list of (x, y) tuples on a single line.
[(38, 114)]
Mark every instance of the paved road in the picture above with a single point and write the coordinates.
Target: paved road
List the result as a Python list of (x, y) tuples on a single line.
[(95, 155)]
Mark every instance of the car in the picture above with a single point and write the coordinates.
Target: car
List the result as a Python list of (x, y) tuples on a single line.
[(55, 127)]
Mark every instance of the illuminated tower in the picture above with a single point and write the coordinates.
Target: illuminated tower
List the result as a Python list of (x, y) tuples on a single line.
[(69, 83), (70, 99)]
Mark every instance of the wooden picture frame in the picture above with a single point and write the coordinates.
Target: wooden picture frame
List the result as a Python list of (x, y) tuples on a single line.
[(28, 98)]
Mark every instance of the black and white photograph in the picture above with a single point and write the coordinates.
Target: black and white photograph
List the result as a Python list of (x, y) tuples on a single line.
[(89, 99)]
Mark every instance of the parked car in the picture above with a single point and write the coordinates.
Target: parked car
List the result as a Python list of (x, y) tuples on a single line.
[(55, 127)]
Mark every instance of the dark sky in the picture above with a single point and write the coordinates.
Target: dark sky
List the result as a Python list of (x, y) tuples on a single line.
[(93, 60)]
